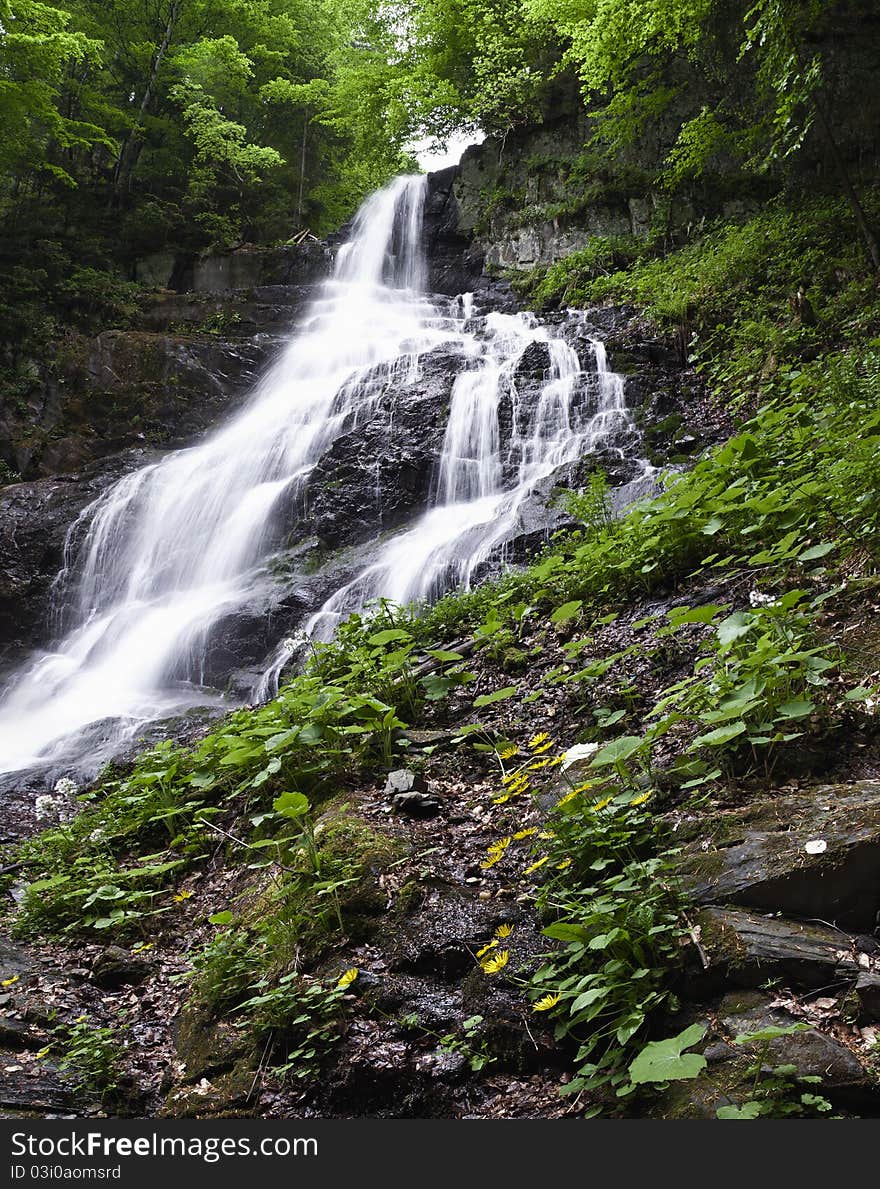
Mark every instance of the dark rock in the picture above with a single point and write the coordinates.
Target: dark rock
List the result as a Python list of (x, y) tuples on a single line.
[(728, 1079), (207, 1047), (402, 781), (459, 925), (756, 856), (249, 266), (813, 1053), (115, 967), (747, 950), (34, 520), (416, 804), (868, 991), (455, 263), (34, 1089), (19, 1034)]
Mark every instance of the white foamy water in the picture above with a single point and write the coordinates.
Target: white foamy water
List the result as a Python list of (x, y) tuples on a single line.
[(156, 563)]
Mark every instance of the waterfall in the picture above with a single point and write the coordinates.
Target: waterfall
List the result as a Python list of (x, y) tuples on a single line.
[(157, 561)]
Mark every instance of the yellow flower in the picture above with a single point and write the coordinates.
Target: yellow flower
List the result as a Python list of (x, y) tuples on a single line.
[(486, 948), (521, 834), (601, 804), (535, 866), (495, 852), (641, 800), (10, 982), (509, 752), (504, 931), (347, 979), (181, 896), (568, 797), (539, 765), (562, 866), (493, 965), (545, 1003), (536, 750), (540, 738)]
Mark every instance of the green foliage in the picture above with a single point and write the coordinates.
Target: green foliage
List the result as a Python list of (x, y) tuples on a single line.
[(775, 1092), (110, 867), (615, 911), (89, 1057), (667, 1061)]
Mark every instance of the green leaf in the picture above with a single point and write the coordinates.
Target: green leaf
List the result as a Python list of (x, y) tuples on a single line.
[(769, 1033), (734, 627), (561, 931), (220, 918), (388, 637), (666, 1061), (817, 551), (797, 708), (443, 654), (291, 805), (748, 1110), (720, 735), (566, 611), (617, 750), (704, 614), (500, 695)]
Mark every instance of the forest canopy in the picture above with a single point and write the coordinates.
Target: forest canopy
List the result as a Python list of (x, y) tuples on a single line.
[(132, 126)]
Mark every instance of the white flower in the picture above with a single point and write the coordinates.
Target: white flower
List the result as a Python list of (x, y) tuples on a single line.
[(97, 835), (757, 599), (46, 807), (817, 846), (65, 787), (870, 705), (580, 751)]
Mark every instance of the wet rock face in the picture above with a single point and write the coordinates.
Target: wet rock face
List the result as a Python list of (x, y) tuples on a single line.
[(34, 520), (758, 857)]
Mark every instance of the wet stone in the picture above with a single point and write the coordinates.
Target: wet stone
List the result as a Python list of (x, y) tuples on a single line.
[(868, 991)]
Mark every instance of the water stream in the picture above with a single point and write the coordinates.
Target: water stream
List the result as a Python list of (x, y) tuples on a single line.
[(162, 556)]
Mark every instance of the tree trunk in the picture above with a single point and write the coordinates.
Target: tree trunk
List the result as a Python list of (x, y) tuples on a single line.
[(127, 158), (869, 238), (302, 169)]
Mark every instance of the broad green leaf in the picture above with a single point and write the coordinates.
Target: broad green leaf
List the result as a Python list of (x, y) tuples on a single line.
[(617, 750), (720, 735), (566, 611), (388, 637), (666, 1060), (291, 805), (817, 551), (704, 614), (797, 708), (220, 918), (748, 1110), (735, 626), (770, 1033), (561, 931)]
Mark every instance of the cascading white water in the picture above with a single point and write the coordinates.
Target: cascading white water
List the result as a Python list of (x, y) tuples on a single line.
[(476, 511), (156, 562)]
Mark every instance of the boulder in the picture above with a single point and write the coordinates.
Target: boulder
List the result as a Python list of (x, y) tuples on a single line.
[(115, 967), (868, 991), (748, 950), (758, 856)]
